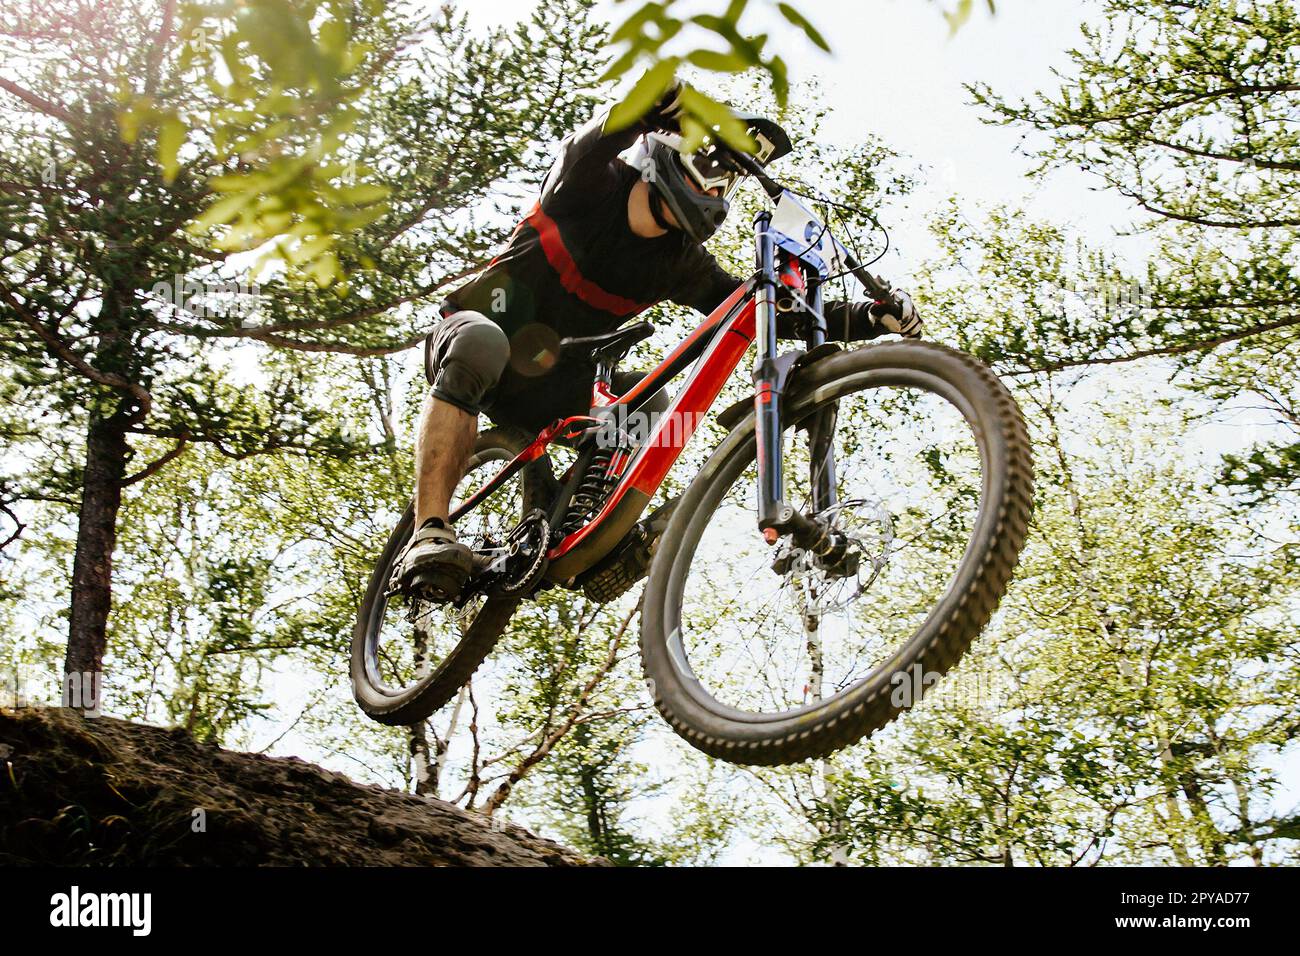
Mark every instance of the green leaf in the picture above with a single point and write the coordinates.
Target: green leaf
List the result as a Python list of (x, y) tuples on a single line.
[(957, 18), (333, 38), (717, 62), (714, 116), (171, 136), (643, 95), (325, 269), (230, 55), (634, 25), (727, 30), (780, 80), (800, 21), (694, 133), (137, 114), (735, 10), (222, 211), (309, 249), (621, 65), (361, 194), (356, 53)]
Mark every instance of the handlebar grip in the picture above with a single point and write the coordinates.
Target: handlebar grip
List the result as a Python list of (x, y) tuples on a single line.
[(752, 166), (878, 288)]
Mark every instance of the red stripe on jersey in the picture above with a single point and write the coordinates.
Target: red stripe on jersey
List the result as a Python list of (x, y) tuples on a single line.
[(557, 254)]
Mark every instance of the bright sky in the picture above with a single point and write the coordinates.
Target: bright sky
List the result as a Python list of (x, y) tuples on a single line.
[(896, 72)]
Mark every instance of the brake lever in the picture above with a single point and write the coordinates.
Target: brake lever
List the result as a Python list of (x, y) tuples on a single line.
[(876, 286)]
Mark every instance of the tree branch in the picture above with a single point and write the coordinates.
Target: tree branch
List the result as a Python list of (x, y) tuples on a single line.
[(1130, 192), (158, 464), (159, 46), (1227, 157), (575, 710), (19, 527), (339, 348), (1071, 118), (270, 333), (60, 350), (31, 99), (1197, 346)]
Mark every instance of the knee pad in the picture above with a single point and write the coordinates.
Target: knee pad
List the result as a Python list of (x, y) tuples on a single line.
[(464, 359)]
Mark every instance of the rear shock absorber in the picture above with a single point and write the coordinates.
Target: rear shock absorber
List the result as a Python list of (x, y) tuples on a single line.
[(590, 494)]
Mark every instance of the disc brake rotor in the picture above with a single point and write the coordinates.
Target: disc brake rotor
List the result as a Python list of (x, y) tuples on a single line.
[(867, 548)]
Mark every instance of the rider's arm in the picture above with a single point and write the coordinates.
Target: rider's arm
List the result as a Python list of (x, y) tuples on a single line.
[(845, 322), (710, 285), (583, 172)]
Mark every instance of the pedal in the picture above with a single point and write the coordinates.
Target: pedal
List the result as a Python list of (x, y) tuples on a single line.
[(436, 584)]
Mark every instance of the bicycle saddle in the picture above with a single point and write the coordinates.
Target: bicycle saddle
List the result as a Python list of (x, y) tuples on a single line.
[(609, 347)]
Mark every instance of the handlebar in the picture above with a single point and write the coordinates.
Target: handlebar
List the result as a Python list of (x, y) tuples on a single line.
[(752, 166), (878, 288)]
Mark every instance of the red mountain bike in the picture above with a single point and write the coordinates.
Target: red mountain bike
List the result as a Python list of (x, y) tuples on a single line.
[(838, 551)]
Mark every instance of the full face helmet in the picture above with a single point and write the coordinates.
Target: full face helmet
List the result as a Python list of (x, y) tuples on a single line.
[(685, 181)]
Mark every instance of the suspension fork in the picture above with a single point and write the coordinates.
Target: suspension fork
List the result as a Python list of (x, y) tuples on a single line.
[(820, 427), (771, 374), (769, 382)]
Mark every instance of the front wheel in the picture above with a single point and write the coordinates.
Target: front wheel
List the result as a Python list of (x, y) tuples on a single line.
[(767, 654)]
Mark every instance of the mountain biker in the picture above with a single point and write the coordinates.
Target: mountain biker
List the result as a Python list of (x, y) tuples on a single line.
[(605, 241)]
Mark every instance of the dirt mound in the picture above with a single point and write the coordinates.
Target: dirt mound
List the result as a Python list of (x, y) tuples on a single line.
[(99, 791)]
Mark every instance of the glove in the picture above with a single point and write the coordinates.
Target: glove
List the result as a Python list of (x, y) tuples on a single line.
[(898, 314), (666, 114)]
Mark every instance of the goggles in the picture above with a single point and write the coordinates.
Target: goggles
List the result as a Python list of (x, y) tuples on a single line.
[(710, 167)]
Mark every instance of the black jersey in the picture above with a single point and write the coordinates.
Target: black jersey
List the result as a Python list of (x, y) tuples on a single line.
[(574, 266)]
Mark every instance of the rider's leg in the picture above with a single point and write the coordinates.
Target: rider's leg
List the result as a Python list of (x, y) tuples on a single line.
[(442, 448), (464, 358)]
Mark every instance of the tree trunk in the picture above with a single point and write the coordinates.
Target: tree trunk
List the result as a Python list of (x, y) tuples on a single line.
[(92, 567), (424, 771), (1175, 825)]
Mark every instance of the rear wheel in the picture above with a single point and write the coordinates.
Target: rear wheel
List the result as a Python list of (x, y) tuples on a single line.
[(764, 654), (409, 655)]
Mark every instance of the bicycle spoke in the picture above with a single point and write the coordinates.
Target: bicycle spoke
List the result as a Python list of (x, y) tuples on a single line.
[(816, 631)]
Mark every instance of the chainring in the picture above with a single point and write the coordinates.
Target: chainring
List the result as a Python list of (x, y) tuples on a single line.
[(519, 569)]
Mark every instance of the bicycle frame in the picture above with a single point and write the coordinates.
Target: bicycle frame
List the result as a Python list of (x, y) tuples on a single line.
[(718, 343)]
